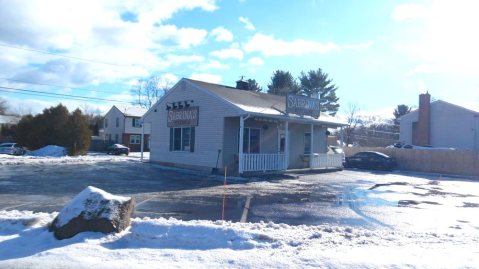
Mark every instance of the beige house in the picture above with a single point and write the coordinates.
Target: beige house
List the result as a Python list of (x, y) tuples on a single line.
[(440, 124), (123, 125), (203, 125)]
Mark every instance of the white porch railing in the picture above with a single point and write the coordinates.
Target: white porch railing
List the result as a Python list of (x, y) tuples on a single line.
[(263, 162), (324, 160)]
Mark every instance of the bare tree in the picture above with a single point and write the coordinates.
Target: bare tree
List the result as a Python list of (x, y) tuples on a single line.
[(149, 91), (3, 106), (353, 121)]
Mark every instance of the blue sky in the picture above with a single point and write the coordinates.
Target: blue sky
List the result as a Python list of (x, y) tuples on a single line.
[(379, 53)]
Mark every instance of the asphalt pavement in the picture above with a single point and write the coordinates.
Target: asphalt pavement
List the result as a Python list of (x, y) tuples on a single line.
[(352, 197)]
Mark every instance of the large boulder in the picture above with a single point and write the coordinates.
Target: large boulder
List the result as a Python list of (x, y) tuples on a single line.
[(93, 210)]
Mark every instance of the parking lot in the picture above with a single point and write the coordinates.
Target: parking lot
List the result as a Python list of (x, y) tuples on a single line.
[(351, 197)]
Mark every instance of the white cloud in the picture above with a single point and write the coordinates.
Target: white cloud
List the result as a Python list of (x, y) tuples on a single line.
[(93, 30), (173, 59), (442, 39), (247, 23), (257, 61), (206, 77), (184, 37), (231, 53), (409, 11), (215, 65), (270, 46), (222, 34)]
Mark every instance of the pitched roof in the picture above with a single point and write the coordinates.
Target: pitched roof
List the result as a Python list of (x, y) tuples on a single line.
[(435, 103), (258, 102), (132, 111)]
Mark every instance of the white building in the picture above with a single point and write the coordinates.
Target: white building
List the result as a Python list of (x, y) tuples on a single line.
[(203, 125), (440, 124), (123, 125)]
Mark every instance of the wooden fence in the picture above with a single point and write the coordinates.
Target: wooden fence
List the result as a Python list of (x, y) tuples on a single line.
[(455, 162)]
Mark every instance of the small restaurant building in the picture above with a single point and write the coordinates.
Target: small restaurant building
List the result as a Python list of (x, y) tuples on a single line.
[(202, 125)]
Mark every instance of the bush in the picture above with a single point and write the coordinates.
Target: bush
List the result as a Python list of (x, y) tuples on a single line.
[(55, 126)]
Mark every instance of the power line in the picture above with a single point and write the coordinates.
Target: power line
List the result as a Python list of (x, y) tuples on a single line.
[(61, 55), (53, 85), (66, 96)]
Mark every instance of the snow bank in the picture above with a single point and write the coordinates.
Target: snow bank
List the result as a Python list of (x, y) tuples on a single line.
[(165, 243), (49, 151), (90, 158)]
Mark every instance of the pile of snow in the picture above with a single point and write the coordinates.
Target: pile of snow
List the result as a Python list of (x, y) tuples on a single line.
[(164, 243), (49, 151)]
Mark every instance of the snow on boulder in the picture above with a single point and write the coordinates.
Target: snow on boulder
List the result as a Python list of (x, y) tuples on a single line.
[(93, 210), (49, 151)]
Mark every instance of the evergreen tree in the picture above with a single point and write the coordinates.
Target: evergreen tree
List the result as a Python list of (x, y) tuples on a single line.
[(400, 111), (282, 83), (316, 83), (254, 86), (55, 126)]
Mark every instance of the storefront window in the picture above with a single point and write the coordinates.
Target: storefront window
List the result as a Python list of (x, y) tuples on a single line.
[(182, 139), (307, 143), (251, 140)]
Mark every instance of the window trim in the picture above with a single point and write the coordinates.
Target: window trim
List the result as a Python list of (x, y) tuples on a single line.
[(307, 140), (174, 147), (137, 121), (135, 140), (248, 140)]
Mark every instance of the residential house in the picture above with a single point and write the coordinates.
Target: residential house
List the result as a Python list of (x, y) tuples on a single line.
[(440, 124), (207, 126), (123, 125)]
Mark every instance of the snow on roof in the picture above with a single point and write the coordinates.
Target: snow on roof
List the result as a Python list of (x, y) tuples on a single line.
[(95, 197), (260, 103), (132, 111)]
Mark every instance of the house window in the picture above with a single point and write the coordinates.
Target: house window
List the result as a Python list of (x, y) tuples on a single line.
[(136, 122), (106, 123), (182, 139), (307, 143), (135, 139), (251, 140), (117, 122)]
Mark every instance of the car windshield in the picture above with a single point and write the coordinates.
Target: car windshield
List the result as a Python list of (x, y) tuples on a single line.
[(7, 145)]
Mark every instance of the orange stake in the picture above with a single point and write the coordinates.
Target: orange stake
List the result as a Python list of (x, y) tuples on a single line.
[(224, 199)]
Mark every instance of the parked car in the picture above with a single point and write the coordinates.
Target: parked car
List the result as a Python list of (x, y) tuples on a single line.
[(370, 160), (118, 149), (12, 149)]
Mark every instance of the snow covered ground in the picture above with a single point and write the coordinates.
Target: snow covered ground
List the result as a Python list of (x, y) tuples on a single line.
[(423, 234), (25, 242), (52, 155)]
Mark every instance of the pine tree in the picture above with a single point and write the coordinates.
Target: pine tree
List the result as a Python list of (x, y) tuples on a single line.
[(316, 83), (282, 83), (400, 111)]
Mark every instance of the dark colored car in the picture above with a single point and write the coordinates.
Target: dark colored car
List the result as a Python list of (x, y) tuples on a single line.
[(118, 149), (370, 160), (12, 149)]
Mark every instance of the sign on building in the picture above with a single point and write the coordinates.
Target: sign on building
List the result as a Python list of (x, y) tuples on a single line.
[(302, 105), (183, 117)]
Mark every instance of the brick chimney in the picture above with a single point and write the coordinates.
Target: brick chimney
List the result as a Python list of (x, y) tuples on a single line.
[(242, 85), (421, 128)]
